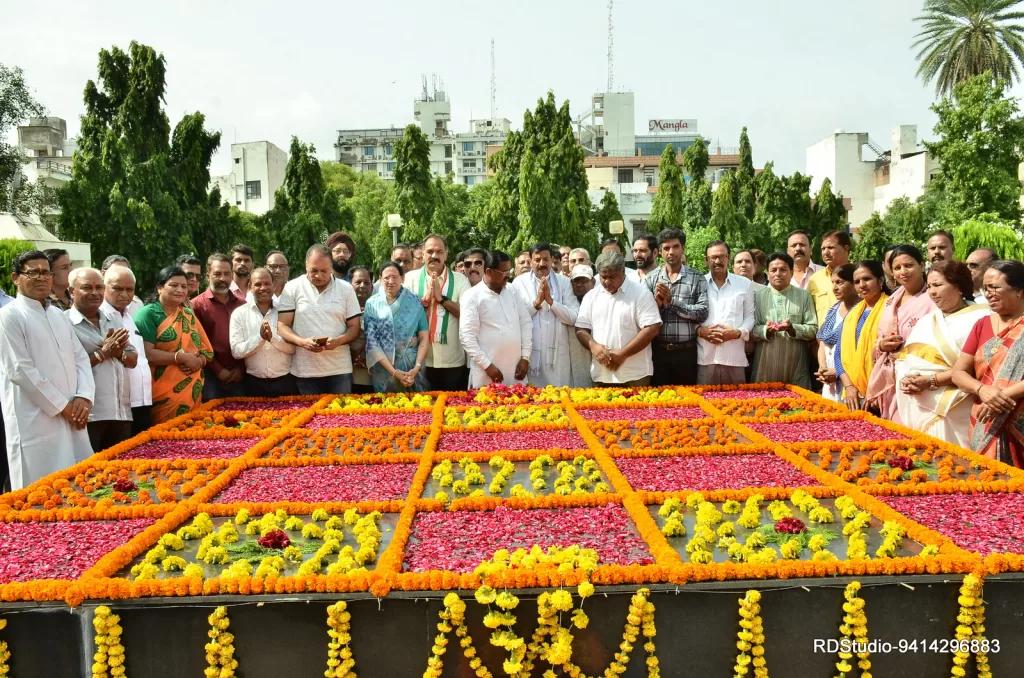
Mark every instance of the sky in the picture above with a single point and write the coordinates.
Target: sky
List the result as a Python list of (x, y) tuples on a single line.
[(791, 71)]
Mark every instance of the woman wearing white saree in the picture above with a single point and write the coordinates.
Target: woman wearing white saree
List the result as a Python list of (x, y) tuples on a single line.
[(927, 399)]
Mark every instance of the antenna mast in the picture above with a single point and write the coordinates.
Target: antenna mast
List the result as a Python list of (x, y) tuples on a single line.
[(611, 45), (494, 89)]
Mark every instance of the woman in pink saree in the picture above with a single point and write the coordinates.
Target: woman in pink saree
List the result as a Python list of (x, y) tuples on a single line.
[(902, 310)]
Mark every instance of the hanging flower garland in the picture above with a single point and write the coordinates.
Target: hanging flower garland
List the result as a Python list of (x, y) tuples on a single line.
[(970, 629), (854, 630), (453, 616), (751, 637), (220, 650), (339, 654), (109, 658), (4, 654)]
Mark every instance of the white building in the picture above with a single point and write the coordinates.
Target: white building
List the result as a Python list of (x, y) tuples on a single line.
[(473, 149), (46, 154), (257, 171), (871, 185), (28, 228), (608, 128)]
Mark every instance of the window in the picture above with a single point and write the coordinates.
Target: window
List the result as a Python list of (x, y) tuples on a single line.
[(368, 150), (390, 167), (467, 146), (388, 149), (625, 176), (469, 180), (468, 163), (370, 167), (252, 190), (447, 150), (447, 168), (649, 176)]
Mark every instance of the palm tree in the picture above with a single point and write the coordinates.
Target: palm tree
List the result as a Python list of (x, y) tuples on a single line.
[(964, 38)]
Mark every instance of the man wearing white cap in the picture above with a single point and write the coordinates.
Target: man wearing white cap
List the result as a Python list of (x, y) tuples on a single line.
[(579, 357)]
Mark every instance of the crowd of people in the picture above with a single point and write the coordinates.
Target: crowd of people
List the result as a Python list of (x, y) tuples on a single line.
[(919, 338)]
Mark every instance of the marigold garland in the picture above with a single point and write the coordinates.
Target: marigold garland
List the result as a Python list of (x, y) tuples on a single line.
[(108, 661), (5, 655), (220, 651), (971, 629), (854, 631), (339, 655), (750, 641)]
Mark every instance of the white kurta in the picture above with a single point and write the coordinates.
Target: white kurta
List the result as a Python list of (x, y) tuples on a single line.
[(553, 326), (42, 368), (494, 328)]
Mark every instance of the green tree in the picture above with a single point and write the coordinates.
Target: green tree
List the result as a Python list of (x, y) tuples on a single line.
[(796, 202), (726, 219), (607, 211), (770, 209), (904, 222), (988, 231), (696, 161), (10, 248), (16, 105), (413, 183), (829, 211), (697, 242), (668, 206), (961, 39), (697, 204), (132, 185), (980, 136), (499, 221), (451, 214), (372, 200), (745, 187)]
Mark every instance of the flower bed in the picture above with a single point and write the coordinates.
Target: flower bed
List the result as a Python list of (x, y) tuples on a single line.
[(368, 420), (981, 522), (511, 440), (277, 405), (349, 483), (190, 449), (747, 394), (634, 414), (843, 431), (618, 436), (711, 472), (458, 541), (328, 444)]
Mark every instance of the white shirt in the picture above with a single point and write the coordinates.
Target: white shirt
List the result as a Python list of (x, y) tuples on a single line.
[(42, 368), (980, 298), (133, 306), (113, 390), (320, 315), (263, 359), (731, 305), (812, 268), (631, 274), (554, 326), (449, 354), (614, 320), (140, 377), (494, 329)]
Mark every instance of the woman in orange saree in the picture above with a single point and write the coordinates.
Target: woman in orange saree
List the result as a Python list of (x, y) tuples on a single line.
[(176, 347), (991, 367)]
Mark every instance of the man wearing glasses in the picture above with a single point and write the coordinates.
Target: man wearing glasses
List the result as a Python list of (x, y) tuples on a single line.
[(193, 274), (978, 261), (278, 266), (46, 382)]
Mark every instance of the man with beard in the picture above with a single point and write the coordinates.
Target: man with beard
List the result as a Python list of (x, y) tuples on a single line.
[(940, 247), (553, 308), (241, 268), (440, 290), (213, 309), (835, 251), (474, 264), (798, 245), (278, 266), (522, 263), (564, 250), (645, 254), (193, 274), (255, 339), (613, 245), (362, 283), (417, 257), (682, 296), (721, 338), (343, 251), (496, 328)]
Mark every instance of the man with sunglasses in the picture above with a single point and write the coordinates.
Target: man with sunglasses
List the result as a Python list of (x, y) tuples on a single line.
[(474, 265), (978, 261), (193, 274), (46, 381)]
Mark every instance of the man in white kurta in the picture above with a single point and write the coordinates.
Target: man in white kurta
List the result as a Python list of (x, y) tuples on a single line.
[(495, 328), (46, 381), (553, 307)]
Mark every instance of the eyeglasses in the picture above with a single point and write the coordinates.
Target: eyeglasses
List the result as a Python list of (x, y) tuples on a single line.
[(278, 267), (191, 276), (474, 264), (36, 274)]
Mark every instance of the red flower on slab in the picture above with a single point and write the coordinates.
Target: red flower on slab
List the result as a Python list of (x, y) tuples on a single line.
[(124, 485), (902, 462), (230, 421), (263, 406), (706, 472), (848, 431), (275, 539), (369, 420), (511, 440), (984, 523), (190, 449), (353, 482), (790, 526), (459, 540), (60, 550), (635, 414)]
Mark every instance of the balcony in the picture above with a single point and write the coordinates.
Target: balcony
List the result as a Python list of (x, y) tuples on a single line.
[(53, 169)]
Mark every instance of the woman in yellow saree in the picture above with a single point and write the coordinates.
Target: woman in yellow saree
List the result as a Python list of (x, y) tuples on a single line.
[(855, 348), (176, 347)]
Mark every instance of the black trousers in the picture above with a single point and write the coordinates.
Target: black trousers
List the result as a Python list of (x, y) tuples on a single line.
[(270, 388), (448, 378), (106, 434), (675, 364), (140, 419)]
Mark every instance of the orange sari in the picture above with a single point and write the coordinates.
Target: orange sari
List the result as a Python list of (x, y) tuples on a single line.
[(999, 362), (174, 392)]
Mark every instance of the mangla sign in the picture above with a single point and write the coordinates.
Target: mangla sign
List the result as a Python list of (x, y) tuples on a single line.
[(672, 125)]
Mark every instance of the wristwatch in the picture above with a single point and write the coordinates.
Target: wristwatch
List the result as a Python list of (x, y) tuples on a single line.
[(98, 356), (444, 299), (419, 364)]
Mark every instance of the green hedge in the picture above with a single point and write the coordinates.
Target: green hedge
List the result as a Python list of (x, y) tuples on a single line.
[(10, 248)]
